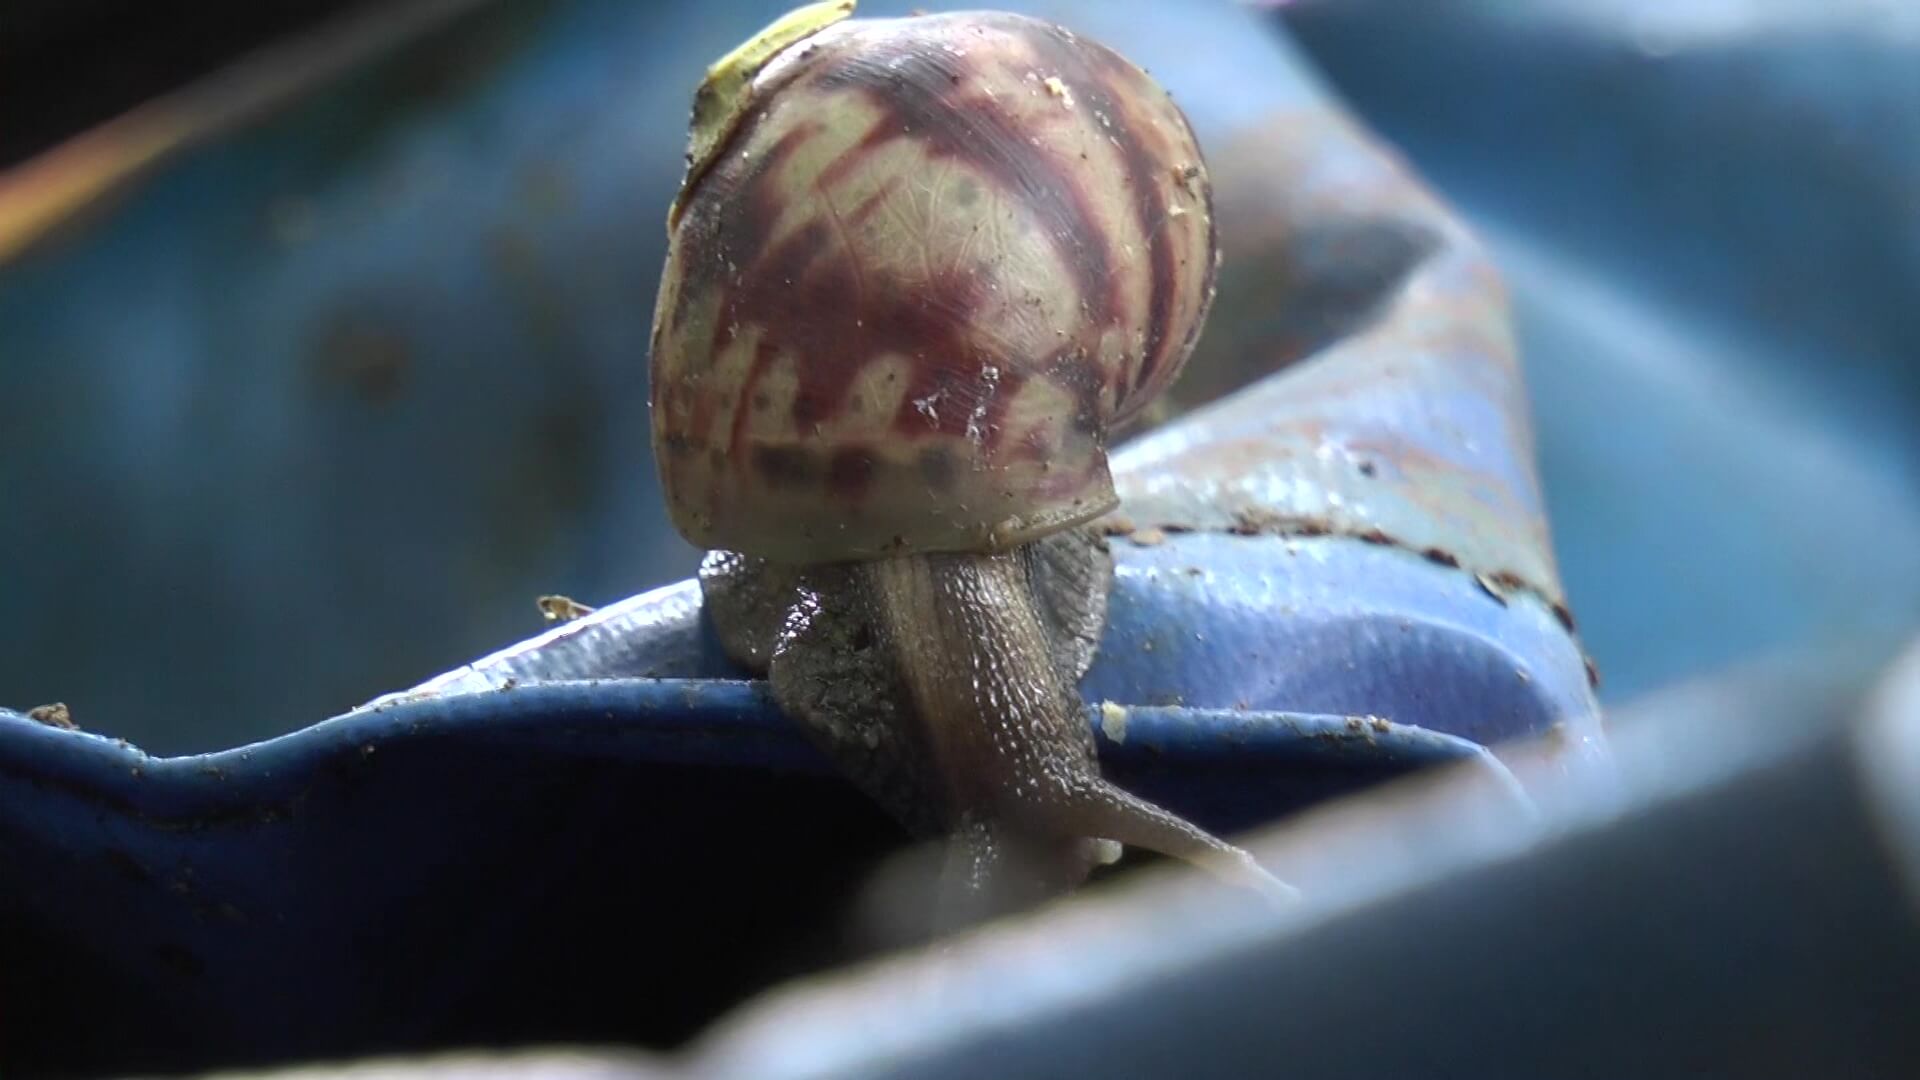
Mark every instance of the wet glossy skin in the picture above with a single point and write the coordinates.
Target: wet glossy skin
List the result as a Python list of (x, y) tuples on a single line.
[(943, 685), (834, 641)]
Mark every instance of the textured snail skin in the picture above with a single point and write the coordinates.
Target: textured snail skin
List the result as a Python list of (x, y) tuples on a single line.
[(942, 685), (931, 265)]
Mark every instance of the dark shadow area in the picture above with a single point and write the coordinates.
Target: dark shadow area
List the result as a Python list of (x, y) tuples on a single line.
[(68, 65)]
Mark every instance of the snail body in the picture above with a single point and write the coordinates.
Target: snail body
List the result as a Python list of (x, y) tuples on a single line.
[(919, 271)]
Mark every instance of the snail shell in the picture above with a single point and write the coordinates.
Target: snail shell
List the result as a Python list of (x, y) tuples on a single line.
[(919, 271)]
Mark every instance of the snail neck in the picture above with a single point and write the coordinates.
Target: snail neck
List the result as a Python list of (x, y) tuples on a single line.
[(1008, 738), (1005, 732), (1002, 725)]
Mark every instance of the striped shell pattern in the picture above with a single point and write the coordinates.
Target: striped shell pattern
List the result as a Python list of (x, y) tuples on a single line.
[(927, 269)]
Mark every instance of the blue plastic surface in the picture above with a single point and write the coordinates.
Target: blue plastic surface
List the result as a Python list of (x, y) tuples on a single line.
[(1704, 213)]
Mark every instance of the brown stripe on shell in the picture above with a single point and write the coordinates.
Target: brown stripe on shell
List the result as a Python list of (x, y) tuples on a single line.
[(1104, 83), (807, 274), (1199, 184), (926, 96), (764, 355), (725, 243), (884, 131), (1080, 376), (873, 202), (943, 399), (783, 289)]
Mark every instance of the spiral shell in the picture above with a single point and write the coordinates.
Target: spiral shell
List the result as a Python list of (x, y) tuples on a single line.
[(920, 269)]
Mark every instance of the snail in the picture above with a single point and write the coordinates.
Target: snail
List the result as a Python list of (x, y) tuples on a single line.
[(919, 271)]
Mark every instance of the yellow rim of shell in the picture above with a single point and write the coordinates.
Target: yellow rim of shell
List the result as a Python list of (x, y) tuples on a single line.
[(722, 98)]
